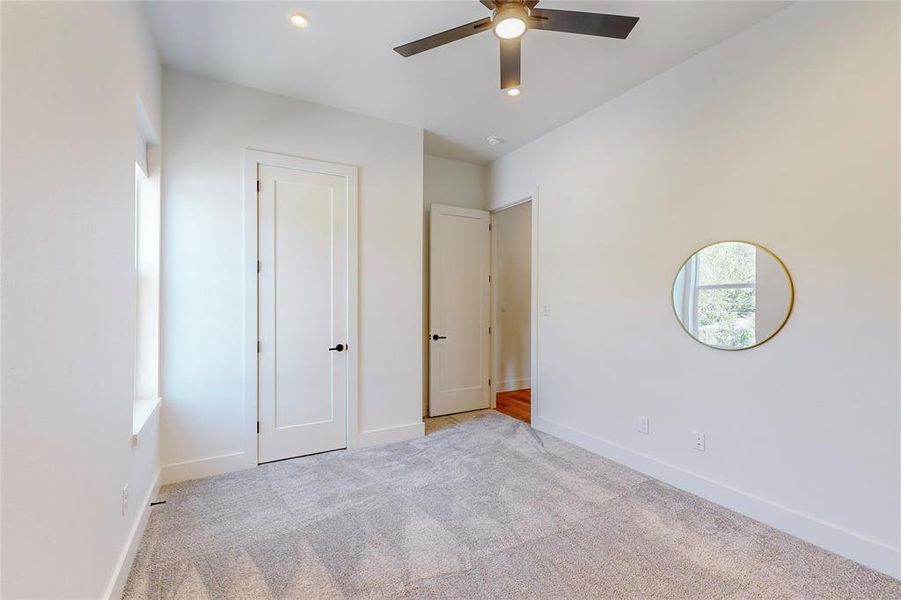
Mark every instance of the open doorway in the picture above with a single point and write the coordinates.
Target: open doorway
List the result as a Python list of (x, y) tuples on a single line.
[(511, 301)]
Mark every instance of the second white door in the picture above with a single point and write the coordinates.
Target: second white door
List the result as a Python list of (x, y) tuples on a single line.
[(304, 291), (459, 313)]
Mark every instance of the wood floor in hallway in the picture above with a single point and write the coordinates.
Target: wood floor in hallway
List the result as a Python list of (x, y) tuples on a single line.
[(516, 404)]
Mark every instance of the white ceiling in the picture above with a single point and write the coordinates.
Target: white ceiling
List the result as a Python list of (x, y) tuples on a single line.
[(345, 59)]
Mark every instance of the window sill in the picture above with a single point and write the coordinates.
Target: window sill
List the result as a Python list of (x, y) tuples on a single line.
[(143, 410)]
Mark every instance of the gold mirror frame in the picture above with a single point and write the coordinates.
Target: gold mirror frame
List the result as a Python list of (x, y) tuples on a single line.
[(788, 312)]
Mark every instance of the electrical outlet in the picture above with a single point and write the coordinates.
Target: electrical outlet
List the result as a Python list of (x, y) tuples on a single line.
[(644, 425), (700, 442), (125, 500)]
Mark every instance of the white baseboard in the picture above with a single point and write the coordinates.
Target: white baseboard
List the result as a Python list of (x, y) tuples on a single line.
[(513, 384), (207, 467), (866, 551), (238, 461), (123, 567), (388, 435)]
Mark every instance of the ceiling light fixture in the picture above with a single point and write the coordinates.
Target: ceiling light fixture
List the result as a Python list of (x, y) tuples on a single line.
[(299, 21), (513, 92), (510, 20)]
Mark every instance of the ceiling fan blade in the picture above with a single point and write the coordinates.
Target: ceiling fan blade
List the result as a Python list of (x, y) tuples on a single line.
[(445, 37), (511, 59), (489, 4), (569, 21), (530, 3)]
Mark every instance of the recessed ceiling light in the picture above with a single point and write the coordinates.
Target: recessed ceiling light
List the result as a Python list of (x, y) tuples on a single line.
[(494, 140), (510, 21), (513, 92), (299, 21)]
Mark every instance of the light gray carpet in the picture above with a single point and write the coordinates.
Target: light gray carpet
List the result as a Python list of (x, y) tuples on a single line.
[(483, 507)]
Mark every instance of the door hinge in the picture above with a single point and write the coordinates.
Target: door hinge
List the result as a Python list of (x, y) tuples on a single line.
[(489, 382), (489, 331), (258, 345), (489, 279), (489, 226), (258, 185), (258, 267), (258, 426)]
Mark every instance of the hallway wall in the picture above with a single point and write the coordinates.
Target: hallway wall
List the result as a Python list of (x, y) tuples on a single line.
[(452, 183), (513, 289)]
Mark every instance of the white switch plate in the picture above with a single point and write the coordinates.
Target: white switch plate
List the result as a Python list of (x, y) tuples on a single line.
[(545, 310), (644, 425), (700, 442)]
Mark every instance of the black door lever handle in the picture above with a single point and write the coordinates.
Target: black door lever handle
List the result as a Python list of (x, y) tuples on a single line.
[(437, 337), (338, 348)]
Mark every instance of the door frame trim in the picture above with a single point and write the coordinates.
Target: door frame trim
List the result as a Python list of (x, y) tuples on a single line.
[(533, 300), (252, 160)]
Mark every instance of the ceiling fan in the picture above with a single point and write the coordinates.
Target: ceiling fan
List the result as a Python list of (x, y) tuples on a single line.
[(510, 19)]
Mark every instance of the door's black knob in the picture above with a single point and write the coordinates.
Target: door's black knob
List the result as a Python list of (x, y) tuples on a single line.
[(437, 337), (338, 348)]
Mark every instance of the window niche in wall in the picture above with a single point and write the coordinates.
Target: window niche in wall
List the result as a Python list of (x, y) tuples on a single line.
[(733, 295), (147, 283)]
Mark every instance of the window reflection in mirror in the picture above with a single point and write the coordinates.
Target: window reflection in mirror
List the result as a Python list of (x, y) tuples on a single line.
[(732, 295)]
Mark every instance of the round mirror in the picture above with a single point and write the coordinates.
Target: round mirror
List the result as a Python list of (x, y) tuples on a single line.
[(733, 295)]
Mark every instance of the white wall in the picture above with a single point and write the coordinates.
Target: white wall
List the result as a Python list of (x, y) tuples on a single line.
[(785, 134), (452, 183), (207, 127), (512, 229), (70, 76), (772, 295)]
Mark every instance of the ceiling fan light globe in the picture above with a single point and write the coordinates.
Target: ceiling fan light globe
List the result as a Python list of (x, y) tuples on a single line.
[(510, 27), (510, 20)]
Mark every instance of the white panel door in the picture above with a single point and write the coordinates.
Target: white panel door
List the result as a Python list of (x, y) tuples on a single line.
[(458, 310), (303, 312)]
